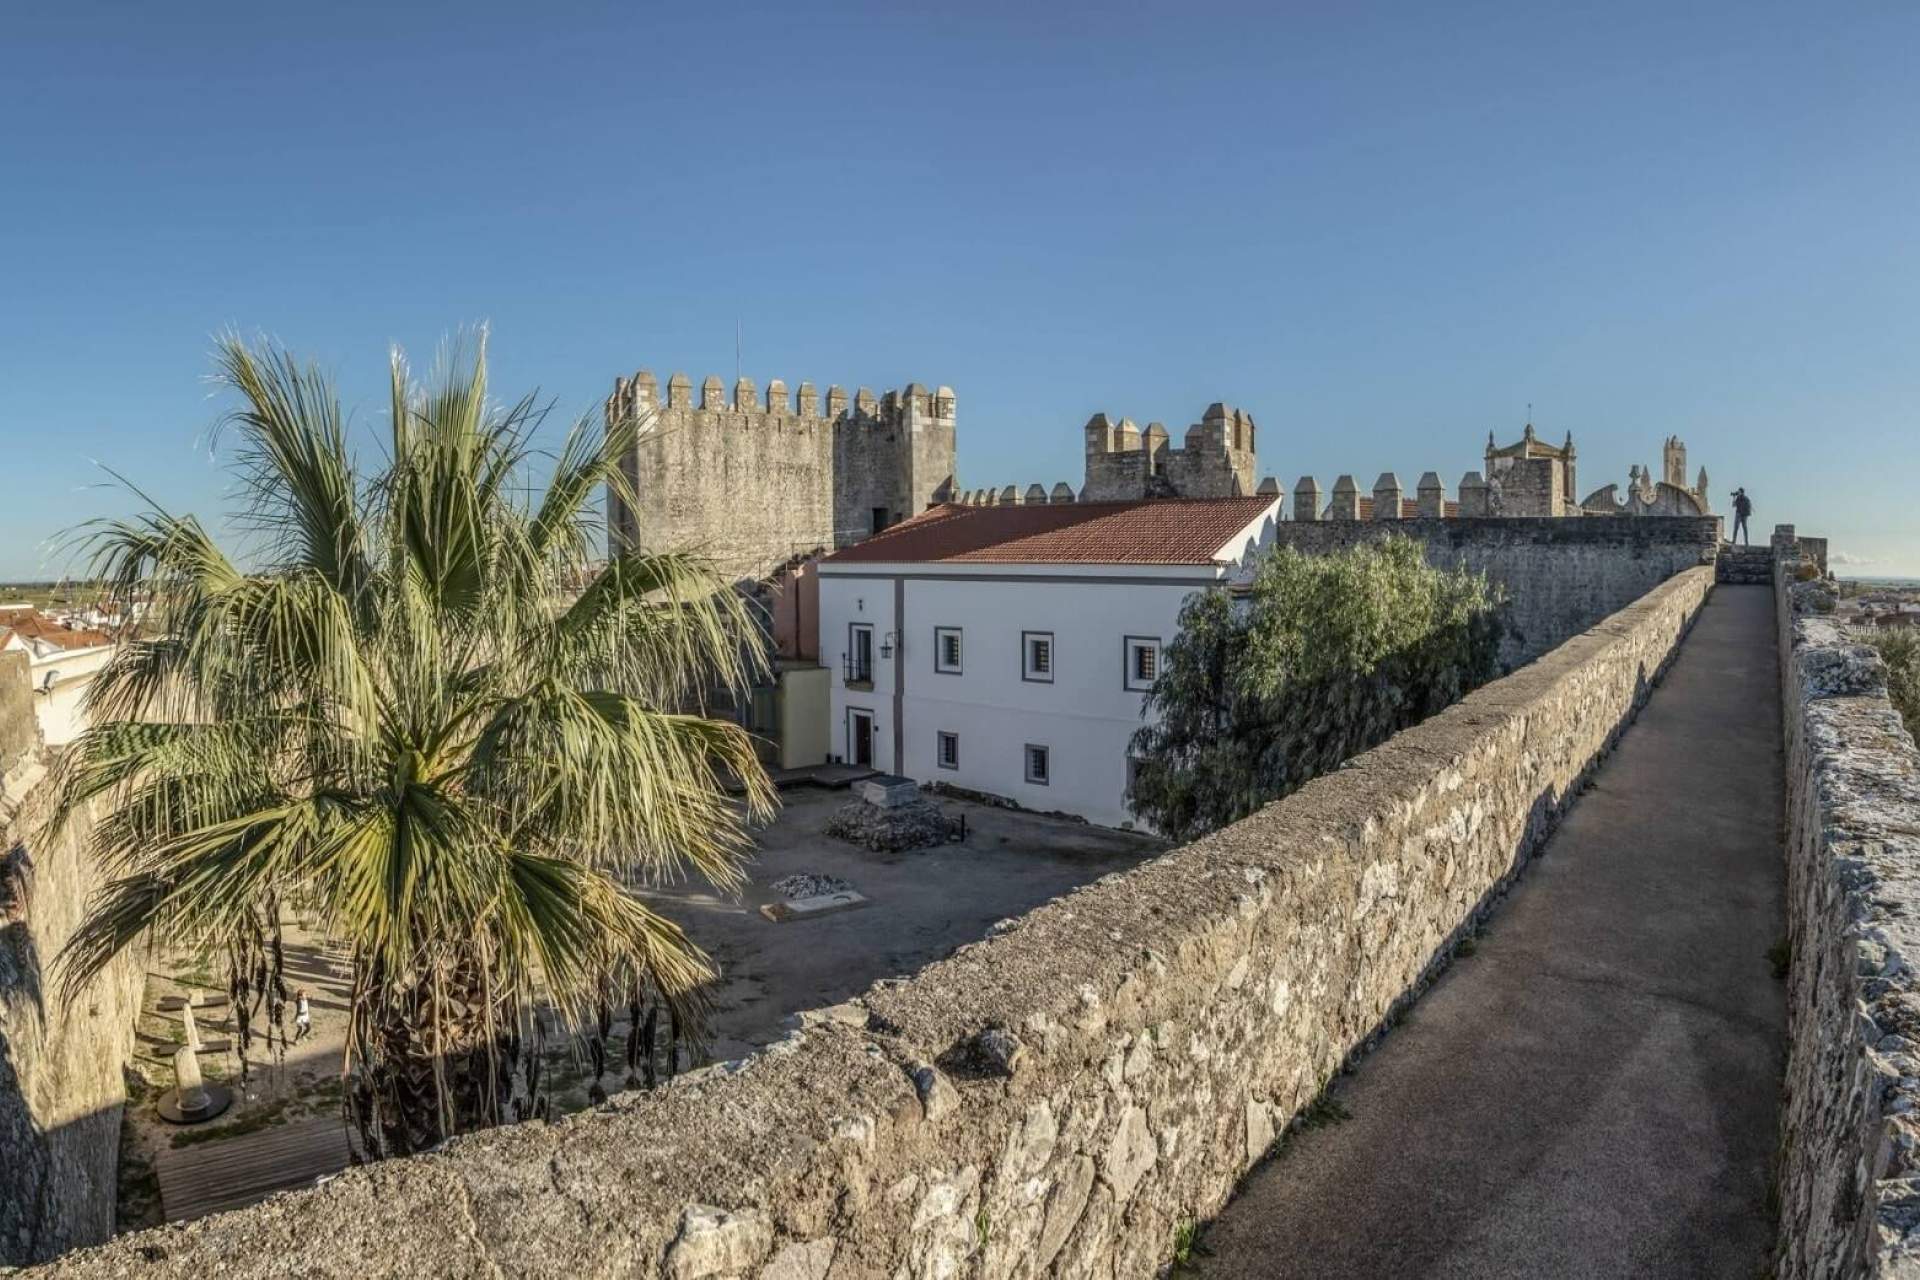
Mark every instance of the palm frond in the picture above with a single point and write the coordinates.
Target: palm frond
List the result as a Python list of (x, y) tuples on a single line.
[(414, 721)]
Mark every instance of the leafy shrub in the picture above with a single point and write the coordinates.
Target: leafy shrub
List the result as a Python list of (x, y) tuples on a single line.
[(1320, 659), (1900, 649)]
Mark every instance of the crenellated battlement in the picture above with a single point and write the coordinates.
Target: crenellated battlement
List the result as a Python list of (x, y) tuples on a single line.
[(1013, 495), (1215, 459), (1520, 489), (639, 396), (753, 478)]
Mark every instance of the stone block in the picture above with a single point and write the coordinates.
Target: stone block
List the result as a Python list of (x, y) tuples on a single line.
[(714, 1242), (887, 791)]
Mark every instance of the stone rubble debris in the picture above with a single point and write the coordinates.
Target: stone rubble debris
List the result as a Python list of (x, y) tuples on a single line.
[(919, 824), (809, 884)]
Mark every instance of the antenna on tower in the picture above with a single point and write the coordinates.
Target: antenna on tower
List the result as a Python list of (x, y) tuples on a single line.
[(736, 350)]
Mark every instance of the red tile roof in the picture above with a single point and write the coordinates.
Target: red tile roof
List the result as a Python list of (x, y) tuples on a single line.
[(31, 624), (1160, 531)]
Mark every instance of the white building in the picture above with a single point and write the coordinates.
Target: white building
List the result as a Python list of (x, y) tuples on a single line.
[(1008, 649), (62, 662)]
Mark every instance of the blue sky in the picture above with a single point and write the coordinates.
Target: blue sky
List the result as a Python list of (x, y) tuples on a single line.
[(1383, 229)]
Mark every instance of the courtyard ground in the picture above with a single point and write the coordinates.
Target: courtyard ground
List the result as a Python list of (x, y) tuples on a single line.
[(285, 1127), (923, 904)]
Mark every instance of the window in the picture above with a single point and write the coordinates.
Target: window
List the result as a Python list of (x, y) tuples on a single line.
[(1142, 656), (949, 752), (1036, 655), (858, 659), (1039, 766), (879, 519), (946, 650)]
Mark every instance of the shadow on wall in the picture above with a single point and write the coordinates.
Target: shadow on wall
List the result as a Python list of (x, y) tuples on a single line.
[(61, 1184), (61, 1083)]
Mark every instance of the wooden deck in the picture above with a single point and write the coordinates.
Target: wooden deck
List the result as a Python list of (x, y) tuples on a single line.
[(214, 1176)]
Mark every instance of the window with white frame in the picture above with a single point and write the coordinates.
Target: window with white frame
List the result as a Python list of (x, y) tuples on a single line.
[(946, 650), (1036, 655), (1039, 765), (1143, 662), (948, 755)]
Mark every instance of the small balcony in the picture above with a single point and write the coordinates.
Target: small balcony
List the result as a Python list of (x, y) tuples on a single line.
[(856, 672)]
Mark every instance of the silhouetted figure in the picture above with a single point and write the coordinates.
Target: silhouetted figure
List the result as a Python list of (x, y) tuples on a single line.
[(1742, 508)]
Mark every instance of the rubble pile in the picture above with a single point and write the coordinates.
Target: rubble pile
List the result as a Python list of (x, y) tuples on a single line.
[(918, 824), (807, 884)]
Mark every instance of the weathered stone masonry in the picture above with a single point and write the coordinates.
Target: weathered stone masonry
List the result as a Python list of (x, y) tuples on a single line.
[(1849, 1172), (61, 1087), (753, 483), (1056, 1100)]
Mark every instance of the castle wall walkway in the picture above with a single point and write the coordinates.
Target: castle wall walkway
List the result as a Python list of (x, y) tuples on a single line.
[(1595, 1091), (1062, 1099)]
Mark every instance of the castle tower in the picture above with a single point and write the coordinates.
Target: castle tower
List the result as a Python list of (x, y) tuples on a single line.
[(928, 420), (1531, 477), (754, 482)]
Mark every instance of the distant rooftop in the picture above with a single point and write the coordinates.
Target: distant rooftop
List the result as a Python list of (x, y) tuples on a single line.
[(42, 635), (1193, 531)]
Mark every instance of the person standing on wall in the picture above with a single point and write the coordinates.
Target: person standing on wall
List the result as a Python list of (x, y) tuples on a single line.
[(1742, 508)]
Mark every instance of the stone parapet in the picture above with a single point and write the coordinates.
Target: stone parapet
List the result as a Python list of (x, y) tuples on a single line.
[(1740, 565), (1849, 1175), (1060, 1099)]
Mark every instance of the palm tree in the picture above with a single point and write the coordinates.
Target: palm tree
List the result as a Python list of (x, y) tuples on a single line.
[(424, 717)]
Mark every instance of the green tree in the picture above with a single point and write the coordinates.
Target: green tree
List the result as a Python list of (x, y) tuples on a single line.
[(1319, 659), (425, 715), (1899, 647)]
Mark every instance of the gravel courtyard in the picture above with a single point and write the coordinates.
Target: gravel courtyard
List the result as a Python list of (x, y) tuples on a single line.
[(923, 904)]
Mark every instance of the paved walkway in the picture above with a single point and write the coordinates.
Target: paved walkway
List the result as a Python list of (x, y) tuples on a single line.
[(1594, 1092)]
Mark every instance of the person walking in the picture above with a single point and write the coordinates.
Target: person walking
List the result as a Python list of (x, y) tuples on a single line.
[(302, 1016), (1742, 508)]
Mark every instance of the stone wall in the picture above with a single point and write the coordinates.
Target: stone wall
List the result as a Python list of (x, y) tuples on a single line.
[(1059, 1099), (61, 1087), (1561, 575), (755, 482), (1849, 1175), (19, 729)]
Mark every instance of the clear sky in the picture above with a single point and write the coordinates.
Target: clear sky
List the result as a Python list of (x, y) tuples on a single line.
[(1384, 229)]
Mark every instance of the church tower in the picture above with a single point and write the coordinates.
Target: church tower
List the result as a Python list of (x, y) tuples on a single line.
[(1674, 458)]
